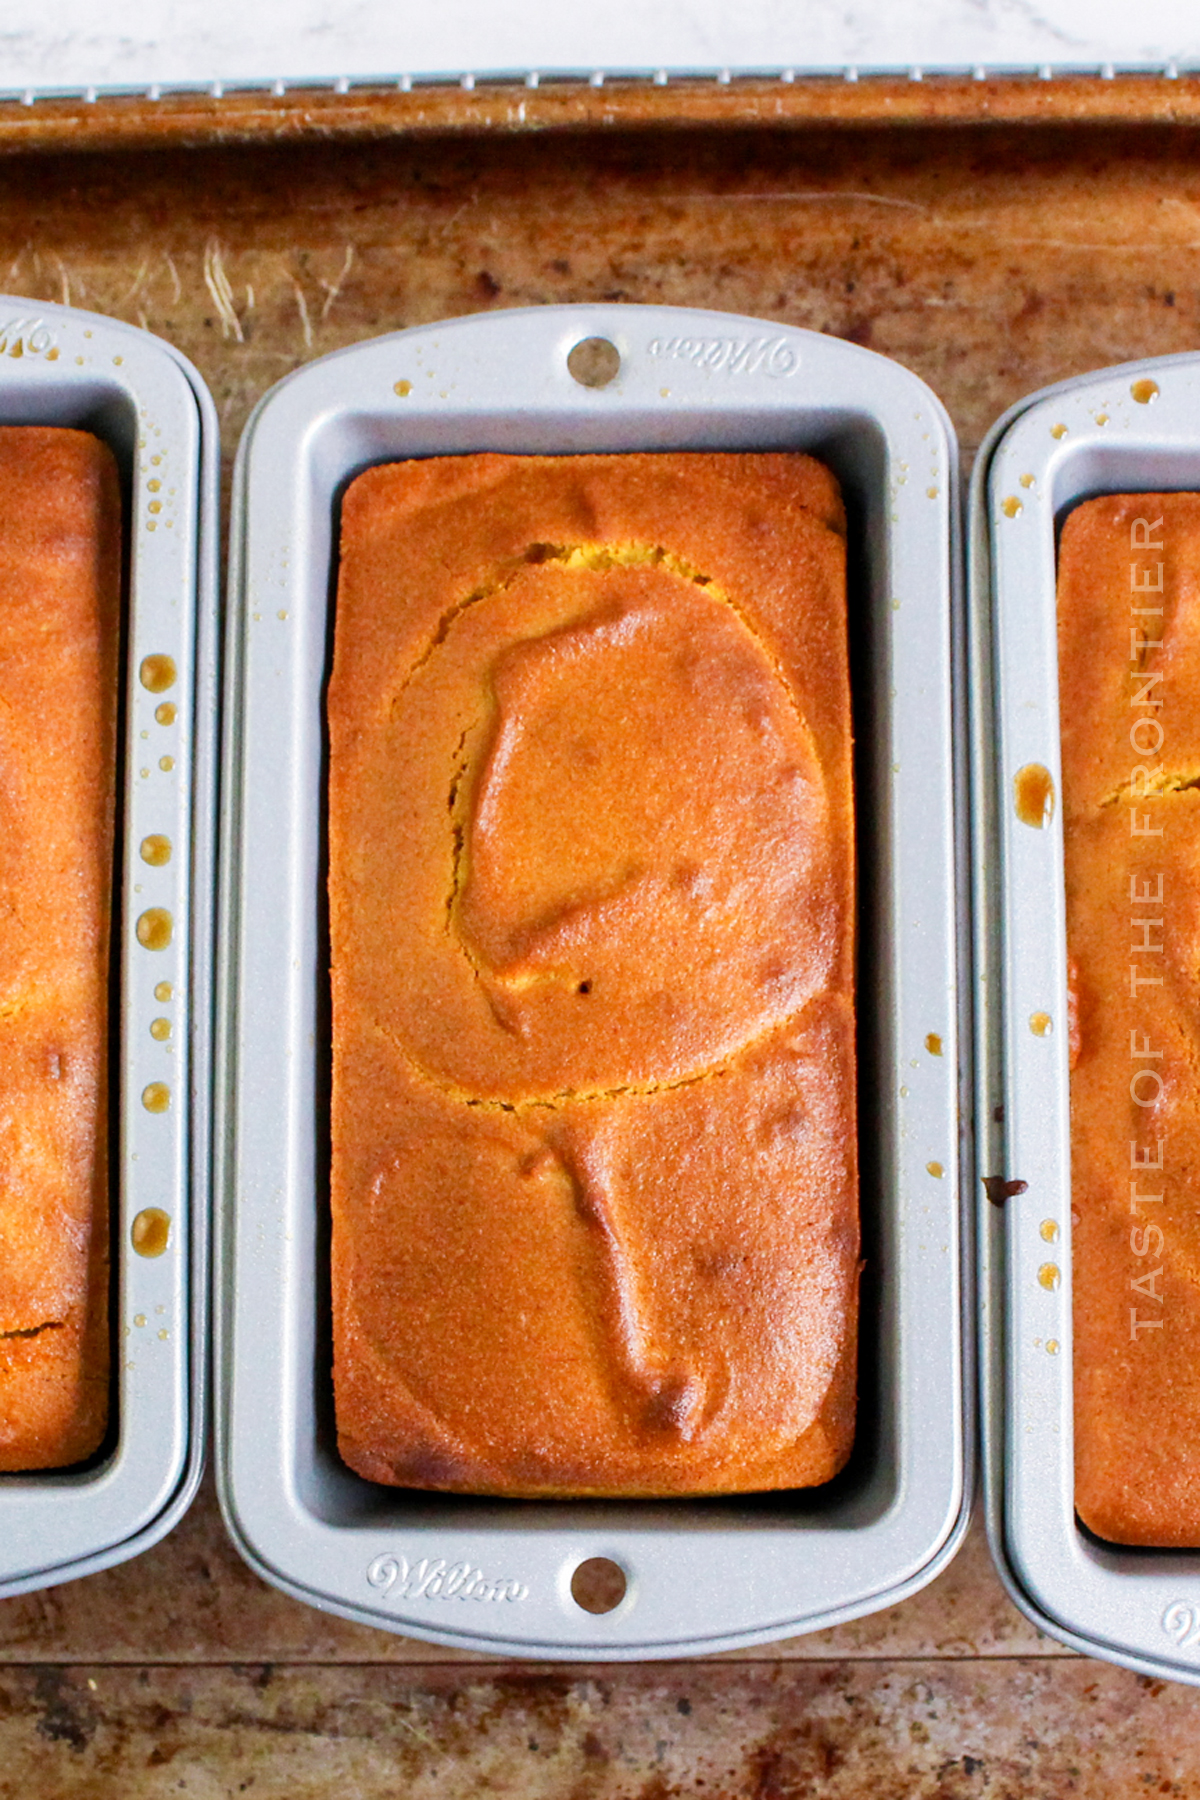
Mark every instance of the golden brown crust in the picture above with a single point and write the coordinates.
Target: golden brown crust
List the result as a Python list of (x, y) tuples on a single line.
[(59, 622), (1132, 831), (591, 901)]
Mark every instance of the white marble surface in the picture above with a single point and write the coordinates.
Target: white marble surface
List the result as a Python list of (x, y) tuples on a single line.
[(74, 44)]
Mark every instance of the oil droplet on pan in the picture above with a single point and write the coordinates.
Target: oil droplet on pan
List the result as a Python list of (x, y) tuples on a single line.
[(156, 1098), (1033, 795), (1049, 1275), (154, 928), (1041, 1024), (1052, 1346), (1101, 418), (160, 1030), (1144, 391), (1049, 1231), (1011, 507), (933, 1044), (150, 1232), (156, 850), (403, 388), (1058, 431), (166, 764), (139, 1319), (165, 714), (157, 673), (935, 1168), (164, 992), (1027, 481)]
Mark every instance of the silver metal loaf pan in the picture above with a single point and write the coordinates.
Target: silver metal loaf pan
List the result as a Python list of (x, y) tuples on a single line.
[(490, 1575), (1131, 428), (60, 366)]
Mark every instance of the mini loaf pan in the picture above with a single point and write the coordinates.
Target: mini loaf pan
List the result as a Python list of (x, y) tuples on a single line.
[(60, 366), (700, 1575), (1127, 429)]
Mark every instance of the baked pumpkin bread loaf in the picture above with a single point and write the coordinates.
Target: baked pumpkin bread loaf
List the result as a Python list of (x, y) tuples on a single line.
[(591, 911), (1129, 681), (60, 583)]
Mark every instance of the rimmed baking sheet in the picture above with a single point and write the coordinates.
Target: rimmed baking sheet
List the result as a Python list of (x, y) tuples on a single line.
[(224, 113), (702, 1575), (65, 367)]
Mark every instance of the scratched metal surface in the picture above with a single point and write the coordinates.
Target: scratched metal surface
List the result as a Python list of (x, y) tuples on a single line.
[(991, 262)]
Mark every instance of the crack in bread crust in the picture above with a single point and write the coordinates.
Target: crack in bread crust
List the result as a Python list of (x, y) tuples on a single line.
[(633, 1090), (596, 557), (502, 986), (1160, 784)]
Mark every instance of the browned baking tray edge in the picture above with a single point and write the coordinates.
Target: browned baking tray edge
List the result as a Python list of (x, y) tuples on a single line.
[(435, 108)]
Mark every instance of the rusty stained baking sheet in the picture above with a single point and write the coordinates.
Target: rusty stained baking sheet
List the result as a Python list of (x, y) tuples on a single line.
[(990, 260), (215, 113), (1017, 255)]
